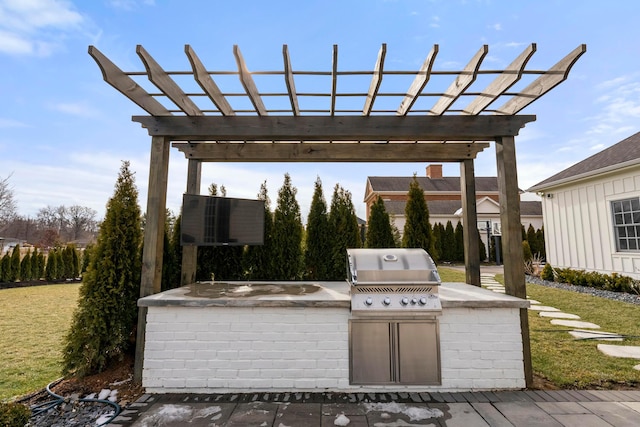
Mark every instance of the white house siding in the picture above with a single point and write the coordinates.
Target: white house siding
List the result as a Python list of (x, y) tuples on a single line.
[(579, 224)]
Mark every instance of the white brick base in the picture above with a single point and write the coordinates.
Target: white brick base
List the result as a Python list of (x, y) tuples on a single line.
[(232, 349)]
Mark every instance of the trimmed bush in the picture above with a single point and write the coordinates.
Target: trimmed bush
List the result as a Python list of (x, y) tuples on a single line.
[(14, 415), (547, 273)]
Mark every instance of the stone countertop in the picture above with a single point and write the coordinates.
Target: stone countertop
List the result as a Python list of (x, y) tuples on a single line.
[(310, 294)]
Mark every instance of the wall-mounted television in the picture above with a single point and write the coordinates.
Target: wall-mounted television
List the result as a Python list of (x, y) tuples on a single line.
[(221, 221)]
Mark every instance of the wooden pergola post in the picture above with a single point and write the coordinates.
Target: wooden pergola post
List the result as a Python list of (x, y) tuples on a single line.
[(189, 252), (151, 276), (511, 225), (470, 219)]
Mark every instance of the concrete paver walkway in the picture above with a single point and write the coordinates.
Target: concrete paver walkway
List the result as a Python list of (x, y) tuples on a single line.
[(568, 408)]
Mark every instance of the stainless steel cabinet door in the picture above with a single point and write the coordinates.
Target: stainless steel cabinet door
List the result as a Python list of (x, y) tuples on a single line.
[(419, 353), (371, 352)]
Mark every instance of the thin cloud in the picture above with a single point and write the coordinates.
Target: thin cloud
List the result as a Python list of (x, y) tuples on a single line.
[(75, 109), (10, 123), (32, 27)]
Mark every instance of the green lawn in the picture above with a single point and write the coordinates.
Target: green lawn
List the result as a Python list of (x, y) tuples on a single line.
[(33, 322), (571, 363)]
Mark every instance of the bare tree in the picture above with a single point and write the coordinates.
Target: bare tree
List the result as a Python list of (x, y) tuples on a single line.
[(8, 206), (81, 219)]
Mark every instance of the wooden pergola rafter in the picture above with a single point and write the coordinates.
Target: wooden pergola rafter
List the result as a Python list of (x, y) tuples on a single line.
[(211, 126)]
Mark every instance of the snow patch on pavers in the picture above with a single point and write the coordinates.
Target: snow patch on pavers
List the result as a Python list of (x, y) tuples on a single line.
[(574, 324), (543, 308), (595, 335), (559, 315), (625, 351)]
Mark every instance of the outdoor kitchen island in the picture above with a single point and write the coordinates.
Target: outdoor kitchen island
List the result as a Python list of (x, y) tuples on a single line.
[(294, 336)]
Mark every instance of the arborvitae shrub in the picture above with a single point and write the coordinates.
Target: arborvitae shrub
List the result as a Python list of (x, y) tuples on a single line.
[(547, 273), (526, 249), (14, 415), (107, 311)]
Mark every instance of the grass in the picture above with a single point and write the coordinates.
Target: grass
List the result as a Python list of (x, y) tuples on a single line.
[(570, 363), (33, 323), (451, 275)]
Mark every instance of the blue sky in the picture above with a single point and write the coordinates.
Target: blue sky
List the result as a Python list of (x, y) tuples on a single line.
[(64, 131)]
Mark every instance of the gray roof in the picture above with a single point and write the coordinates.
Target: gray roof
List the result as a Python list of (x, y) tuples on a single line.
[(627, 150), (449, 207), (447, 183)]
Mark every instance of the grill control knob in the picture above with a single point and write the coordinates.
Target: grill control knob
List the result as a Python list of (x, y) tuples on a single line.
[(423, 301), (404, 301), (414, 301), (386, 301), (368, 301)]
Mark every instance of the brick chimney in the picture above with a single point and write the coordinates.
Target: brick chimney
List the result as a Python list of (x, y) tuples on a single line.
[(434, 171)]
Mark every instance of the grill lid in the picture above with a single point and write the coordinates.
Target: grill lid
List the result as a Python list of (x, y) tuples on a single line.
[(391, 266)]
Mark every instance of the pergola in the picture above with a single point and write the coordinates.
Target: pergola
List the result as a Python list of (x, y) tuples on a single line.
[(444, 125)]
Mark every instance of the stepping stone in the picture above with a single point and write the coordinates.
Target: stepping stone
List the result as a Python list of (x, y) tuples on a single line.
[(574, 324), (532, 301), (593, 335), (493, 288), (637, 367), (559, 315), (626, 351), (543, 308)]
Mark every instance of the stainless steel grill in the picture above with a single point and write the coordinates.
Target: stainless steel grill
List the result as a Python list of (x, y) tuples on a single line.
[(392, 282), (393, 330)]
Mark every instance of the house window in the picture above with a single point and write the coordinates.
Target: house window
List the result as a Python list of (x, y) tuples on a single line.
[(626, 224)]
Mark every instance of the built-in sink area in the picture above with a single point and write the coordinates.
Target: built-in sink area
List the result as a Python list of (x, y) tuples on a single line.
[(248, 289)]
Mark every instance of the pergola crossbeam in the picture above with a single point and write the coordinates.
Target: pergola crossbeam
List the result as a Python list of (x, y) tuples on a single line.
[(207, 84), (248, 83), (418, 83), (461, 83), (543, 84), (502, 83), (328, 152), (375, 81), (288, 76), (126, 85), (332, 128), (161, 79), (334, 79)]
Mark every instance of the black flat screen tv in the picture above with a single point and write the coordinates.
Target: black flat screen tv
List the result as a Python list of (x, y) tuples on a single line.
[(221, 221)]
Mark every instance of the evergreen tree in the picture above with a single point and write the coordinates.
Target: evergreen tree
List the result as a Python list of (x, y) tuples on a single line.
[(437, 235), (75, 262), (86, 257), (67, 263), (287, 233), (532, 239), (258, 260), (344, 226), (51, 270), (6, 268), (169, 264), (317, 255), (541, 244), (379, 232), (482, 247), (107, 309), (449, 242), (25, 267), (175, 253), (459, 238), (14, 273), (417, 229), (37, 264)]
